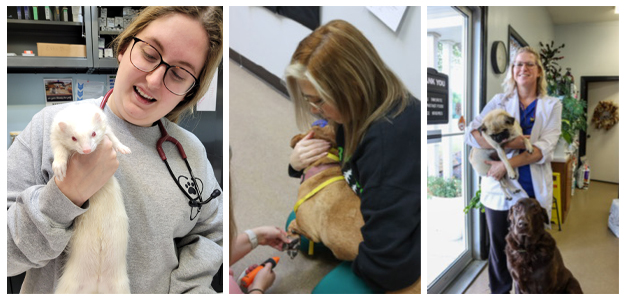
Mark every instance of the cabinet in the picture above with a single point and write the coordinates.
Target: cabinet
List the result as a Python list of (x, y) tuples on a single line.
[(108, 36), (25, 34), (566, 169)]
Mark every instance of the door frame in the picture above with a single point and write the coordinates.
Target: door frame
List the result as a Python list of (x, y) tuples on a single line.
[(584, 82)]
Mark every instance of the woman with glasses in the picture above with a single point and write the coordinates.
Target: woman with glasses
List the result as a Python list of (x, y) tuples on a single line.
[(167, 57), (336, 74), (525, 98)]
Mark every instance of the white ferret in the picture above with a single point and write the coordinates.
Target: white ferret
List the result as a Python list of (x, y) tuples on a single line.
[(96, 253)]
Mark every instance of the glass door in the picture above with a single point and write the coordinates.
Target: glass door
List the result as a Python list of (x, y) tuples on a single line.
[(448, 243)]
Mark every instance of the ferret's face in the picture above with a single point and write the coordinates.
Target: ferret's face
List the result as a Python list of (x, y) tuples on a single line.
[(141, 98), (84, 142), (80, 138)]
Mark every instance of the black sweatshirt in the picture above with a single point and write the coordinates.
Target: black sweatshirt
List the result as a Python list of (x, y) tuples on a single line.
[(385, 172)]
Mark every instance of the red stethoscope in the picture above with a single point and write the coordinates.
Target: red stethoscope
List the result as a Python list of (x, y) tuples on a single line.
[(194, 188)]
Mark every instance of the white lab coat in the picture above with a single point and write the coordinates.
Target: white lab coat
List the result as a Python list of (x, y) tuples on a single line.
[(544, 135)]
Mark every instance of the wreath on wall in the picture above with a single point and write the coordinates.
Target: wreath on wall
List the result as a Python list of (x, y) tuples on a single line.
[(606, 115)]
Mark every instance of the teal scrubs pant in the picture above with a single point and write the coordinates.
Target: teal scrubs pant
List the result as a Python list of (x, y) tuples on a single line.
[(341, 280)]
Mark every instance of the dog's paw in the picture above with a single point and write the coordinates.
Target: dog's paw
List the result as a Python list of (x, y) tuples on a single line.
[(513, 176), (516, 191), (507, 198)]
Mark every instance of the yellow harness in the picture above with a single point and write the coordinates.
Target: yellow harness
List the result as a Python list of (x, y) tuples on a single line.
[(315, 190)]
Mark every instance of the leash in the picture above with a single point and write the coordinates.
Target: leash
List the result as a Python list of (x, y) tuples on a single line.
[(317, 189)]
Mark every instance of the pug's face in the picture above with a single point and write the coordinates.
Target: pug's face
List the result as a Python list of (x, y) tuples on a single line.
[(498, 125)]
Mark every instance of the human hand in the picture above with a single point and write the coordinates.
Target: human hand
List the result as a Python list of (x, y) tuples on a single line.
[(87, 173), (271, 236), (497, 169), (517, 143), (308, 150), (263, 280)]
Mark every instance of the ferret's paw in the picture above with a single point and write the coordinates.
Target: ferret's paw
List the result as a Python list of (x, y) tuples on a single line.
[(59, 168), (122, 149), (513, 176)]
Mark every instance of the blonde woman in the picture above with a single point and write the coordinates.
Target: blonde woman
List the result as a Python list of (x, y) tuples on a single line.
[(525, 98), (336, 74), (167, 57)]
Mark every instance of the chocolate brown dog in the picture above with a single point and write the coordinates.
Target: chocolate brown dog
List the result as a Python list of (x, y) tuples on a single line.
[(534, 261), (332, 215)]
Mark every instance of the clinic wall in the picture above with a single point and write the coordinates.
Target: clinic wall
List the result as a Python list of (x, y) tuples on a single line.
[(269, 40), (591, 49), (26, 97), (533, 24)]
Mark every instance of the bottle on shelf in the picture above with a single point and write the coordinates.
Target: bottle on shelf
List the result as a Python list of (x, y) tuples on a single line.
[(48, 13)]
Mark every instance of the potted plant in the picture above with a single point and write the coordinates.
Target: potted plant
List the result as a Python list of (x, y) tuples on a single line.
[(475, 203), (574, 115)]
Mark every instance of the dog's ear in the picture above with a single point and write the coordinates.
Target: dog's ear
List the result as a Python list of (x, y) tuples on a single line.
[(511, 218), (544, 214), (296, 139), (509, 120)]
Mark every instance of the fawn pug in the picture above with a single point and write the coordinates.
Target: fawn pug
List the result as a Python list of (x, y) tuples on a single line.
[(498, 128)]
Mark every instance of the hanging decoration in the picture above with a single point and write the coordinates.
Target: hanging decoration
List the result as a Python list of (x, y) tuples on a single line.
[(606, 115)]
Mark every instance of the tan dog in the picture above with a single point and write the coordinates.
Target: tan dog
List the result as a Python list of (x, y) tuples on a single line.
[(331, 216), (498, 128)]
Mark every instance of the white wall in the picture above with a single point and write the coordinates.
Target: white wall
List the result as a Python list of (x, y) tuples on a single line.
[(532, 23), (269, 40), (591, 49)]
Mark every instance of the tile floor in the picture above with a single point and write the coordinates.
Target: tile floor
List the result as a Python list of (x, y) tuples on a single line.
[(590, 250)]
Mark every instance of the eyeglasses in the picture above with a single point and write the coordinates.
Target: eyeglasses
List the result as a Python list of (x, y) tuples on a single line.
[(147, 58), (315, 102), (529, 65)]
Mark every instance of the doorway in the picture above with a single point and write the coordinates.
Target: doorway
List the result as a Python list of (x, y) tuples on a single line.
[(601, 145), (449, 53)]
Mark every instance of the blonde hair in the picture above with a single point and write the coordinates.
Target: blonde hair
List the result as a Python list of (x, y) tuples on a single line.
[(348, 74), (509, 84), (211, 19)]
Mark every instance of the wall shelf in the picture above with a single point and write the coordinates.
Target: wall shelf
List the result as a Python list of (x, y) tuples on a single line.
[(25, 34)]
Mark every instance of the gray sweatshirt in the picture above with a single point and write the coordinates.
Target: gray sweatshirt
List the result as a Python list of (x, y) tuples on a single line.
[(167, 252)]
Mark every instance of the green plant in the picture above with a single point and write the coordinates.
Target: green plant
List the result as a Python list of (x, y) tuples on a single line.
[(574, 115), (444, 187), (475, 203)]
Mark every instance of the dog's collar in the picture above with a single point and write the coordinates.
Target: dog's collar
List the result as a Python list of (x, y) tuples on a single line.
[(311, 171)]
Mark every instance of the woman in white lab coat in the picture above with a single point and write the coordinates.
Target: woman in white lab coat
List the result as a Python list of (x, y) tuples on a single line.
[(525, 98)]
